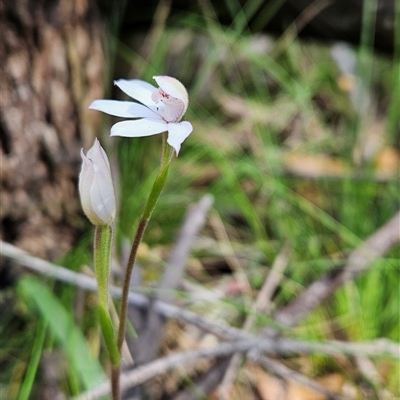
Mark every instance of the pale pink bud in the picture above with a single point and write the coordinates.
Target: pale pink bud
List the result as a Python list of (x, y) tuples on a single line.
[(96, 187)]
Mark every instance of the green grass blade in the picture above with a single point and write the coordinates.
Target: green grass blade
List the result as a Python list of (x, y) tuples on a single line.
[(62, 326), (37, 348)]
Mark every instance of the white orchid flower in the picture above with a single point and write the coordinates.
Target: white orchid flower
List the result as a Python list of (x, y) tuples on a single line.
[(161, 110), (96, 187)]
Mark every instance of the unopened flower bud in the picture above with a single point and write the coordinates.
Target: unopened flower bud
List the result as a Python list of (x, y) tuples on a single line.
[(96, 187)]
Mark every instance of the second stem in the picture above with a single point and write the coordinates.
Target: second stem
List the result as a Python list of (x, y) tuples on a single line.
[(167, 153)]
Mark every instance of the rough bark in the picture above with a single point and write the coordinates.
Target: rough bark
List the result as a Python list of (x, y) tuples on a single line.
[(52, 67)]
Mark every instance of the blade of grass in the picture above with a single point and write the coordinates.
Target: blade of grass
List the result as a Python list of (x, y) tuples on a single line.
[(37, 348), (62, 326)]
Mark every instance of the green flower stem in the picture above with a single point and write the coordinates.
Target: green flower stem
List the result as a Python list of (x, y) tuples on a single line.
[(167, 153), (102, 248), (115, 385)]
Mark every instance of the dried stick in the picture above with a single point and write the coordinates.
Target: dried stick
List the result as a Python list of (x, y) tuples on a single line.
[(147, 345), (77, 279), (207, 383), (374, 247), (287, 373), (378, 244), (143, 373), (370, 373), (282, 346), (85, 282), (194, 221), (262, 302), (376, 348)]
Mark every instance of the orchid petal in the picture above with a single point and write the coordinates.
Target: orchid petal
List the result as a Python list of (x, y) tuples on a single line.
[(102, 196), (160, 110), (97, 154), (125, 109), (174, 96), (139, 127), (177, 133), (137, 89), (86, 175)]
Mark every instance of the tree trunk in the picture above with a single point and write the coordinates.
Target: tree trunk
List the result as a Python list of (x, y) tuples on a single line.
[(51, 68)]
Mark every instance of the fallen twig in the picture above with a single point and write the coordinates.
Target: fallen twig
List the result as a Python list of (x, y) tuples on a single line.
[(206, 383), (77, 279), (281, 346), (148, 343), (162, 365), (380, 347), (262, 303), (287, 373)]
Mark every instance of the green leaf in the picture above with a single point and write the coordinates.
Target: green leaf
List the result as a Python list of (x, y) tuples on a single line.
[(62, 326)]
